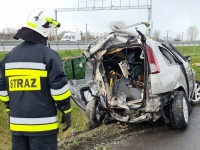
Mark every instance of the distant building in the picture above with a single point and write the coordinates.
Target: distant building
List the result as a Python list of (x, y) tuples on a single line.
[(169, 38), (176, 39)]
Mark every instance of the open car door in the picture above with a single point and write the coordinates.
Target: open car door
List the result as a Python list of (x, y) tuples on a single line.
[(75, 71)]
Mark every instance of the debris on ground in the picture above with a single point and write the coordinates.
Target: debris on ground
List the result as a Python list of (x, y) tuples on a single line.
[(106, 136)]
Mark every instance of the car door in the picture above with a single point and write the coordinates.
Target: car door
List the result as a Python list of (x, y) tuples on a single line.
[(169, 71), (80, 92), (190, 76), (188, 69), (74, 69), (173, 73)]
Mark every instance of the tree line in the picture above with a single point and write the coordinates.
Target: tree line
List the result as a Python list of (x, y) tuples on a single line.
[(8, 33), (192, 33)]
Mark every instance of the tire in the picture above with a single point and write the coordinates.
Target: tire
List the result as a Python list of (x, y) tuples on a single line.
[(196, 98), (179, 111), (91, 114)]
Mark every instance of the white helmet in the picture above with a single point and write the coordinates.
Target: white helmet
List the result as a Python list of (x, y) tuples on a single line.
[(41, 21)]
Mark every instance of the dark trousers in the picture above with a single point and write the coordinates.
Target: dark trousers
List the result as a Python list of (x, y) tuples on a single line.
[(47, 142)]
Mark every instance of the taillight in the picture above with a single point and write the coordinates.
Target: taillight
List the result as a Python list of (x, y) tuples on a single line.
[(153, 63)]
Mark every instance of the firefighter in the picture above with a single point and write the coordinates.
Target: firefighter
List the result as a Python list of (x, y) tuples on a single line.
[(33, 86)]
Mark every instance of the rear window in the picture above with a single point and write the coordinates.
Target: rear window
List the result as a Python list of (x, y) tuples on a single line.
[(169, 59)]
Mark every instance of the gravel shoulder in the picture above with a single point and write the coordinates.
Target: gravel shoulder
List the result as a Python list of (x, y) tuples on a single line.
[(107, 136)]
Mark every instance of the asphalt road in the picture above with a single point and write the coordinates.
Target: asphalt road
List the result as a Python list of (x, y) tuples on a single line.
[(168, 139)]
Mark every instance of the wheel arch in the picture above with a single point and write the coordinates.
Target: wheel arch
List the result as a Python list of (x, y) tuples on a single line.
[(180, 88)]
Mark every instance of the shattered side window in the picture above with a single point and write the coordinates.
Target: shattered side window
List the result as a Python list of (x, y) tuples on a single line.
[(170, 60)]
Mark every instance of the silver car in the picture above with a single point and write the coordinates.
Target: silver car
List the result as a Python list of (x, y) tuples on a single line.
[(131, 78)]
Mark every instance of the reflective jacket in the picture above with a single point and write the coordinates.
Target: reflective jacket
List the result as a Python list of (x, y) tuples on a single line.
[(32, 85)]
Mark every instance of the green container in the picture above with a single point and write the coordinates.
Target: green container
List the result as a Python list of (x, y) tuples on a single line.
[(74, 67)]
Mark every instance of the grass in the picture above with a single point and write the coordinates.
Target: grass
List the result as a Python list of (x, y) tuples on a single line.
[(78, 116), (189, 50), (69, 53)]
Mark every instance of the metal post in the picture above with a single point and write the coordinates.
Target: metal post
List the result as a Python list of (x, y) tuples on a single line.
[(195, 45), (78, 44), (3, 46), (86, 5), (86, 36), (120, 4), (182, 43), (150, 17), (167, 36), (129, 4), (78, 5), (102, 4), (56, 36), (111, 4), (56, 28)]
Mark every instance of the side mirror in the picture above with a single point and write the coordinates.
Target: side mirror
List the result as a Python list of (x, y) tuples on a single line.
[(188, 58)]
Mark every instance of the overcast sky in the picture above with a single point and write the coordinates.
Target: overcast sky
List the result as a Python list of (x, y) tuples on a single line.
[(174, 16)]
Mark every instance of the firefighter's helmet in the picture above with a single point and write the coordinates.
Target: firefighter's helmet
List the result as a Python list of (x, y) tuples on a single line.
[(41, 21)]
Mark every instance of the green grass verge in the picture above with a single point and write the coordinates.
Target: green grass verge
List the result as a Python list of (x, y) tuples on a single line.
[(69, 53), (189, 50)]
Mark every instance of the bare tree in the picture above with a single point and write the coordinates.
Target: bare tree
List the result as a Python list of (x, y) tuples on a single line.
[(192, 33), (116, 24), (7, 33), (156, 34), (51, 36), (61, 34), (9, 30)]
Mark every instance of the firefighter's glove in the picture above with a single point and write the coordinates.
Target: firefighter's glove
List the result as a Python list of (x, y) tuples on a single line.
[(66, 118)]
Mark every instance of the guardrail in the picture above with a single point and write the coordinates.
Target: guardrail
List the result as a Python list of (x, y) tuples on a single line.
[(4, 44), (79, 45)]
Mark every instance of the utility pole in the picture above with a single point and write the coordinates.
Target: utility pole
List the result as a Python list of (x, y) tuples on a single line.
[(195, 44), (150, 17), (167, 36), (56, 28), (182, 43), (56, 36)]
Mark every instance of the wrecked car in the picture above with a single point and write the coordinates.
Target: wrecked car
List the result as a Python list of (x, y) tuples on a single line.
[(131, 78)]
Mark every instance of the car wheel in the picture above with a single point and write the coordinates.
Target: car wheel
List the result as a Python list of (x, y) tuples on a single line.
[(91, 114), (196, 98), (179, 111)]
